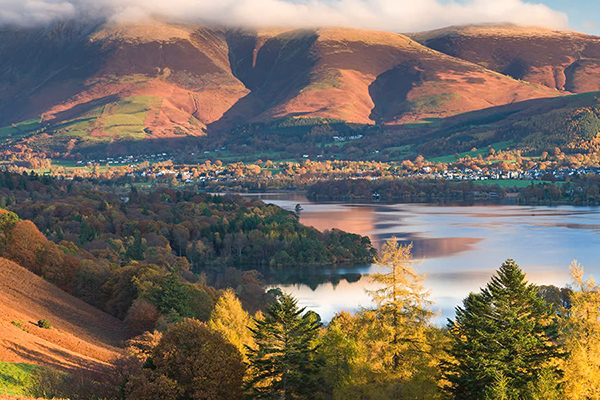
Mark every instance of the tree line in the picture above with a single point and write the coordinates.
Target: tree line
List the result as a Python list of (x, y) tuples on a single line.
[(159, 257), (404, 190), (510, 340)]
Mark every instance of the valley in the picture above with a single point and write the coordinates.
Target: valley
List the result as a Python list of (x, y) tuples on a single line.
[(199, 208)]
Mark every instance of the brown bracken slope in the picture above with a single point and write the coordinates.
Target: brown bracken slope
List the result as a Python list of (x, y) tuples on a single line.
[(78, 81), (563, 60), (81, 335)]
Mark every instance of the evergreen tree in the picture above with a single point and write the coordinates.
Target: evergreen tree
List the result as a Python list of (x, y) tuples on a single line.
[(172, 295), (136, 249), (282, 363), (500, 389), (505, 331)]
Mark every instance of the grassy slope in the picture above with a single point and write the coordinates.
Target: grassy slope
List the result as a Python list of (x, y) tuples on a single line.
[(123, 119), (81, 336), (483, 152), (20, 129), (15, 378)]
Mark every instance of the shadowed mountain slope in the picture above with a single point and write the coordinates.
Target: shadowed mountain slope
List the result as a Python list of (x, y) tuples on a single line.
[(563, 60), (69, 87)]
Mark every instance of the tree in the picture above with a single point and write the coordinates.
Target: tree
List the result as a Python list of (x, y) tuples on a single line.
[(393, 350), (505, 331), (401, 304), (581, 339), (135, 250), (148, 385), (200, 302), (141, 317), (191, 361), (230, 319), (282, 362), (24, 245), (172, 295)]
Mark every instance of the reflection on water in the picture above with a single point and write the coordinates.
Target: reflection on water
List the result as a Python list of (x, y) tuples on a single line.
[(459, 247)]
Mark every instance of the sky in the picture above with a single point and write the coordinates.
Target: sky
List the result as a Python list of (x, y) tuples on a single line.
[(391, 15), (584, 15)]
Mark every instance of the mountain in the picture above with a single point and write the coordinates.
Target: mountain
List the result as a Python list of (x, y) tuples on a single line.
[(71, 87), (569, 123), (81, 335), (564, 60)]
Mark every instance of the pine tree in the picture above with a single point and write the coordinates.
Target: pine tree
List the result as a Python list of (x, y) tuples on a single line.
[(136, 248), (500, 389), (282, 363), (506, 330)]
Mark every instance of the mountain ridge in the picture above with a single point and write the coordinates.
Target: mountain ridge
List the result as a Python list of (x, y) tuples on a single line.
[(117, 83)]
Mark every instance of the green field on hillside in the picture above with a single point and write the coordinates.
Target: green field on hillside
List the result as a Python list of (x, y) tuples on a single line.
[(126, 119), (483, 151), (20, 129), (15, 378), (123, 119)]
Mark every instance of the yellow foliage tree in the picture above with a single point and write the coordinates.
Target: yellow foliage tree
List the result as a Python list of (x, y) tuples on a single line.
[(393, 350), (230, 319), (581, 335), (402, 305)]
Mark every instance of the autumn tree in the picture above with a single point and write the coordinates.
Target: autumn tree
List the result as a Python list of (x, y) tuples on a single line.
[(283, 362), (581, 339), (393, 350), (230, 319), (402, 303), (141, 317), (24, 244), (191, 361), (506, 332)]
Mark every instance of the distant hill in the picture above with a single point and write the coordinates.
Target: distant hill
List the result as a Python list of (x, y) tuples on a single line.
[(570, 123), (73, 87), (564, 60), (81, 335)]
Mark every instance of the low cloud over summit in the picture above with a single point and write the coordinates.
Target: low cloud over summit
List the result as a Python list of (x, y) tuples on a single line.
[(391, 15)]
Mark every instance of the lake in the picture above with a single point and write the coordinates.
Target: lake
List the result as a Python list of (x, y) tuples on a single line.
[(458, 247)]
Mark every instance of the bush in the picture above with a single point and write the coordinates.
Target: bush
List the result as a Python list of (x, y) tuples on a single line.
[(142, 316), (76, 385), (44, 323), (20, 324)]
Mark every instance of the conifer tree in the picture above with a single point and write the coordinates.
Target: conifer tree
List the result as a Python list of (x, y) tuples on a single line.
[(282, 362), (392, 351), (507, 330), (402, 304)]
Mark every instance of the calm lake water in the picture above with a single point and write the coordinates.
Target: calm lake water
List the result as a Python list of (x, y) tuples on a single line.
[(459, 248)]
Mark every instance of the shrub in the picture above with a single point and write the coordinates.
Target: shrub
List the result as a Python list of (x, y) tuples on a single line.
[(20, 324), (44, 323), (76, 385), (142, 316)]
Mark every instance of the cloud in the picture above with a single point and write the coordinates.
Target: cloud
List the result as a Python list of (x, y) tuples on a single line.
[(392, 15)]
